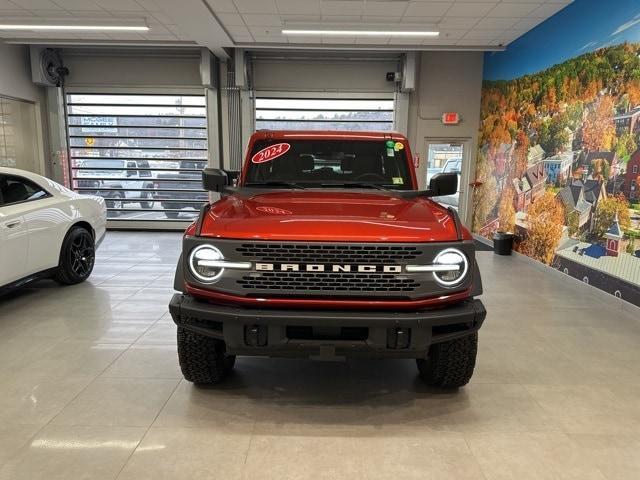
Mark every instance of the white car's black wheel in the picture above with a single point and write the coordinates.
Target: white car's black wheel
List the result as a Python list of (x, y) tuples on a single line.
[(171, 214), (77, 257), (450, 364), (203, 360)]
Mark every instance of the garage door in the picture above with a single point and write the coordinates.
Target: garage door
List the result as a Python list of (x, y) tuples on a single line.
[(324, 113), (142, 153)]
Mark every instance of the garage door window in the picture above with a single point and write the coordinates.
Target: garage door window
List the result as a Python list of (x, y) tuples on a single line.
[(323, 114), (142, 153)]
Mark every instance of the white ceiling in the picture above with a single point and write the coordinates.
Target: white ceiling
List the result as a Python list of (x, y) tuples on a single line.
[(216, 24)]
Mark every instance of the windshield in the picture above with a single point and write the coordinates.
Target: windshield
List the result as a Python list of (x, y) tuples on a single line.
[(329, 163)]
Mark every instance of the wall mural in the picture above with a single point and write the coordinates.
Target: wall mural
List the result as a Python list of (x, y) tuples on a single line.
[(559, 152)]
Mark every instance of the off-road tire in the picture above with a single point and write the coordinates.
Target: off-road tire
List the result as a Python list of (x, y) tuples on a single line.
[(77, 257), (203, 360), (450, 364)]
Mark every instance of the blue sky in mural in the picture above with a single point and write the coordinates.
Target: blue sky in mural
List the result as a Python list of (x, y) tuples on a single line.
[(583, 26)]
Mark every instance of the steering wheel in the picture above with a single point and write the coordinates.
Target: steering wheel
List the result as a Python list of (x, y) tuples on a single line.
[(371, 176)]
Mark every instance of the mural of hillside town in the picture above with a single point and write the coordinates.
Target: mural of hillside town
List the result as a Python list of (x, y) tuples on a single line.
[(559, 152)]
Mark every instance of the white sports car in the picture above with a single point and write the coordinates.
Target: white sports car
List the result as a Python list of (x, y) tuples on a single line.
[(46, 230)]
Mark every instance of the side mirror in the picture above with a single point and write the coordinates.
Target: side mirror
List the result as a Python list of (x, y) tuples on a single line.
[(443, 184), (214, 179)]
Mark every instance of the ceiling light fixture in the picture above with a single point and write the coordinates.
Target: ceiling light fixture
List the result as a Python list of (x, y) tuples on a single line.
[(74, 24), (361, 33), (74, 27)]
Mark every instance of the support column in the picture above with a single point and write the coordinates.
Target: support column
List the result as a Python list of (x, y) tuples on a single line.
[(57, 154)]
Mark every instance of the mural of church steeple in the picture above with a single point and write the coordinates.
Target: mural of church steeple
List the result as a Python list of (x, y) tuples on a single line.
[(614, 237)]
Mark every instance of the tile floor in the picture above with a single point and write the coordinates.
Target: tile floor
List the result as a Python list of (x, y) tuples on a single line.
[(91, 390)]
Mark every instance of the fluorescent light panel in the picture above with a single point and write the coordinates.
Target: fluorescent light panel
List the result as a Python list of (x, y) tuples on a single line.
[(359, 31), (74, 24), (73, 27)]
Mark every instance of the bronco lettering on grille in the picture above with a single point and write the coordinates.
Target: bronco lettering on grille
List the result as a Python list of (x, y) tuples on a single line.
[(320, 267)]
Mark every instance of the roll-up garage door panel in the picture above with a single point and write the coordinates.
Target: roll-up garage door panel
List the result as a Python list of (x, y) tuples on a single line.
[(143, 153), (138, 71), (320, 76)]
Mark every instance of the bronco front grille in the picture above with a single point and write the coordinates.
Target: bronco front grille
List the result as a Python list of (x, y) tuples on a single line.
[(339, 270), (309, 283), (309, 253), (328, 282)]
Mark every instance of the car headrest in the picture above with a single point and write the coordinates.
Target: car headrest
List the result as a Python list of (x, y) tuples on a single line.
[(307, 162), (15, 192), (292, 166), (346, 165), (367, 164)]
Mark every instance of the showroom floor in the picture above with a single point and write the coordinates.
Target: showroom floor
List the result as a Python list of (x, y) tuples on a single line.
[(91, 390)]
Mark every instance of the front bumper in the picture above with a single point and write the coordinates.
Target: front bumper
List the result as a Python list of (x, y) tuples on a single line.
[(327, 334)]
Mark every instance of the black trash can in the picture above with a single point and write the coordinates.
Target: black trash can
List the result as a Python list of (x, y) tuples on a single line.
[(502, 243)]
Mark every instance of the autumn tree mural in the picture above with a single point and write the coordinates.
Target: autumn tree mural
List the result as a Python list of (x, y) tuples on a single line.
[(608, 209), (556, 158), (545, 218)]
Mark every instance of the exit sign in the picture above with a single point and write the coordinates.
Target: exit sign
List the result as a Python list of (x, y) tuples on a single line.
[(451, 118)]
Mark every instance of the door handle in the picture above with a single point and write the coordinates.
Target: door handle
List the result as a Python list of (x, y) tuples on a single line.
[(12, 223)]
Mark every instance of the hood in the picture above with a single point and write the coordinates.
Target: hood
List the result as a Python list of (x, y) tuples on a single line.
[(328, 216)]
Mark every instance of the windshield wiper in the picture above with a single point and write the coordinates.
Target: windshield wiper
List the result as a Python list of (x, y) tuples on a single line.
[(275, 183), (357, 185)]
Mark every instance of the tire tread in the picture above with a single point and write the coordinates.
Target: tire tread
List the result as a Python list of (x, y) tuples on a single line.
[(63, 274), (203, 360), (450, 364)]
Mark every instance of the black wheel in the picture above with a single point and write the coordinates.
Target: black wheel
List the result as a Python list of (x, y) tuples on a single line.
[(171, 215), (77, 257), (116, 204), (203, 360), (450, 364), (147, 200)]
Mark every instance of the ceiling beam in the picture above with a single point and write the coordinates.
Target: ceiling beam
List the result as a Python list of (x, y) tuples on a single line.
[(371, 48), (197, 19)]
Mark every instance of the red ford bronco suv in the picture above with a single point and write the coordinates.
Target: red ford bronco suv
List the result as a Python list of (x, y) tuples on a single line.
[(326, 249)]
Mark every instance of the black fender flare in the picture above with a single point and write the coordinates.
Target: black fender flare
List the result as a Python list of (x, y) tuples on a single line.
[(178, 279), (476, 286)]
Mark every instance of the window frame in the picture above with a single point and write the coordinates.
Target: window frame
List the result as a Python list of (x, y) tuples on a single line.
[(47, 193)]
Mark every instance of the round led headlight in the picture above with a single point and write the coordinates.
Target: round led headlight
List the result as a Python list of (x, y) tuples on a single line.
[(454, 267), (204, 263)]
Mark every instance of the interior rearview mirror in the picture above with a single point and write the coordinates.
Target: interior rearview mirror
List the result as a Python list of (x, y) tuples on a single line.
[(214, 179), (443, 184), (232, 175)]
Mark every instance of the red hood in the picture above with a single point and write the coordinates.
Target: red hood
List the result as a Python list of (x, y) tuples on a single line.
[(329, 216)]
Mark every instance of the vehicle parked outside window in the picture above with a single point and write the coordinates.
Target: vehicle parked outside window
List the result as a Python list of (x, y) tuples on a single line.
[(120, 182)]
